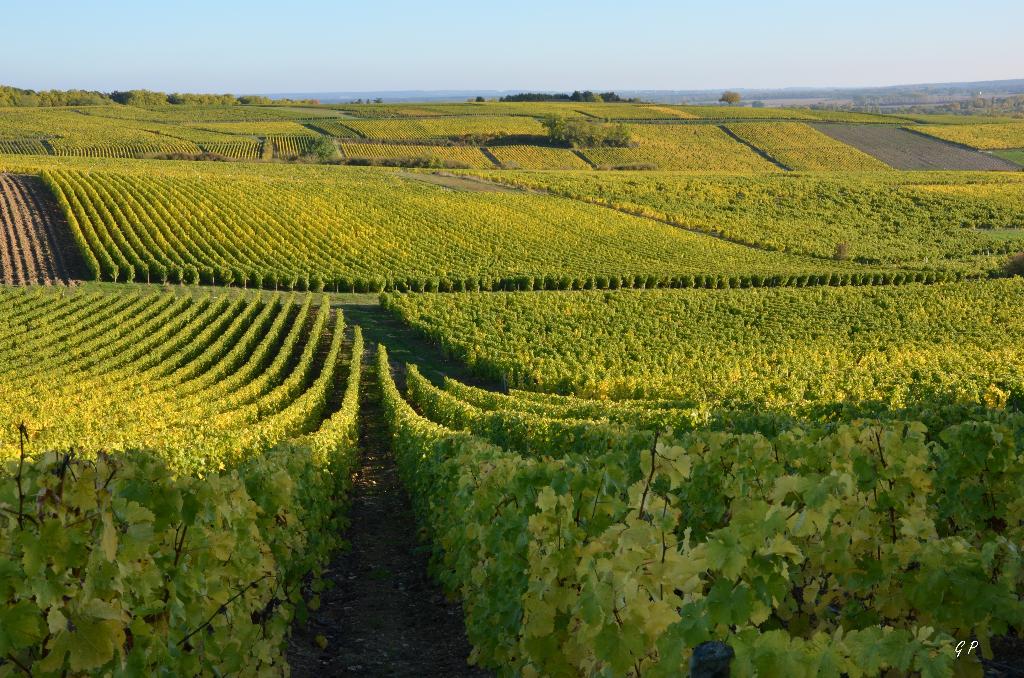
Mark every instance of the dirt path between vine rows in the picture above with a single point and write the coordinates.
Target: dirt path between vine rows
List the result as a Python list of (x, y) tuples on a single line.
[(382, 615)]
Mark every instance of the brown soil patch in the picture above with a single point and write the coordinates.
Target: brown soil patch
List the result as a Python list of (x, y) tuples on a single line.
[(904, 150), (35, 243)]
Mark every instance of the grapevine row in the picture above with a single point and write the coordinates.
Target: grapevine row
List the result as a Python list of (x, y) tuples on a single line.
[(624, 561)]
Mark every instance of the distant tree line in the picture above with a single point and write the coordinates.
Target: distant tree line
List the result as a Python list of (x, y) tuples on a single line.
[(13, 96), (921, 103), (1006, 106), (586, 96)]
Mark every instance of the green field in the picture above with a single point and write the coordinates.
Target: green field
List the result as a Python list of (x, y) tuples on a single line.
[(1013, 155)]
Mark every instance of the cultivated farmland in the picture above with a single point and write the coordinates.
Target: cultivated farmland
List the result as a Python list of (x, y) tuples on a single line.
[(906, 150), (800, 147), (988, 136), (318, 230), (694, 148), (35, 246), (773, 334), (538, 157), (452, 156), (749, 464), (897, 218), (446, 127), (688, 380)]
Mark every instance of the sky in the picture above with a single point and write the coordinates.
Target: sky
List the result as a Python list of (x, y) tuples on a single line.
[(258, 46)]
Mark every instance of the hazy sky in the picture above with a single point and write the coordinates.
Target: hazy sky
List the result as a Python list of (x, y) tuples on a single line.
[(256, 46)]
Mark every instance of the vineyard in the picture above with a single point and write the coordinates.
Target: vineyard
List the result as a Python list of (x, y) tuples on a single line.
[(728, 391), (332, 128), (538, 157), (786, 468), (662, 137), (453, 156), (263, 128), (225, 376), (237, 396), (241, 150), (446, 127), (800, 147), (988, 136), (732, 113), (618, 550), (369, 229), (935, 219), (694, 148), (289, 146), (900, 344), (23, 146)]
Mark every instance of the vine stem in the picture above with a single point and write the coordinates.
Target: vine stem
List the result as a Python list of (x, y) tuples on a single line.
[(22, 437), (16, 662), (223, 608), (650, 477)]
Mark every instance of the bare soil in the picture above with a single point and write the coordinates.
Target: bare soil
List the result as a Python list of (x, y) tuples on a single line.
[(1009, 658), (35, 243), (905, 150)]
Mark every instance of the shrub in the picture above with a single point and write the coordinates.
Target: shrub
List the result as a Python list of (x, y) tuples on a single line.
[(1014, 265), (582, 133)]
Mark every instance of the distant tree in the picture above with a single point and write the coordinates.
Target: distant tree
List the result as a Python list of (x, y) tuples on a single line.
[(480, 100), (842, 252), (378, 100), (324, 149), (730, 97), (757, 104)]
